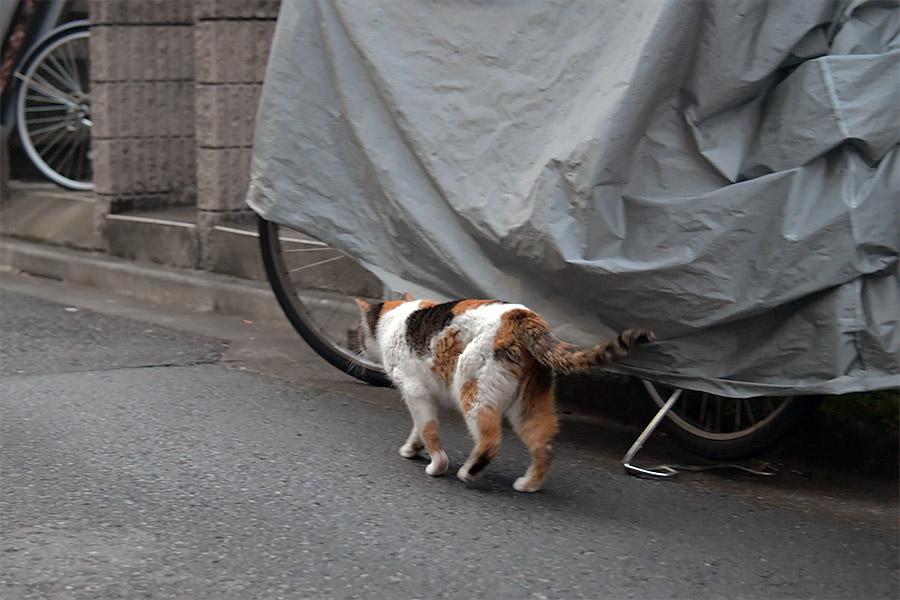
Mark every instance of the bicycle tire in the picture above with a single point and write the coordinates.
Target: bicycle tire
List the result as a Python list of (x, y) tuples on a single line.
[(687, 425), (291, 299), (53, 109)]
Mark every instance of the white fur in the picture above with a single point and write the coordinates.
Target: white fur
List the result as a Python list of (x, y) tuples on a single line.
[(392, 348)]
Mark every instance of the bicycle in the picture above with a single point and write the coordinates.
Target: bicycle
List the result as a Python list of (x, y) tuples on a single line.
[(317, 301), (47, 97)]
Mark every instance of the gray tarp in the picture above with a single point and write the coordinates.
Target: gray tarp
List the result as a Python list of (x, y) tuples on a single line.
[(724, 173)]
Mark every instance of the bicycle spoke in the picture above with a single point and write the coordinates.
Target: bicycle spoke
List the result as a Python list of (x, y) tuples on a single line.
[(718, 426), (61, 167), (70, 51), (60, 72), (50, 104), (65, 95), (50, 159), (40, 139), (292, 250), (55, 140), (40, 120), (49, 96), (750, 415), (304, 242), (42, 130), (315, 264), (44, 107), (42, 86)]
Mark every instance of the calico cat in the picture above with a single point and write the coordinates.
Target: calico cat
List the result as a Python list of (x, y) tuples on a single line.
[(492, 360)]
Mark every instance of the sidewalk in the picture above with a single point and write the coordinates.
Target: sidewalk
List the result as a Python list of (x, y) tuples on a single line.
[(44, 234)]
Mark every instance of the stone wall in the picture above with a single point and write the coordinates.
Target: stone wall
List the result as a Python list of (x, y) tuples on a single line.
[(175, 84), (142, 104), (231, 47)]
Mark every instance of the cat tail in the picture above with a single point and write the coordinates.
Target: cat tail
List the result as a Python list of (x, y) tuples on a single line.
[(549, 350)]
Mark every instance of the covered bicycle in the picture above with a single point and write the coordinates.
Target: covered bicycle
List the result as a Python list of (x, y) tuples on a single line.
[(724, 174)]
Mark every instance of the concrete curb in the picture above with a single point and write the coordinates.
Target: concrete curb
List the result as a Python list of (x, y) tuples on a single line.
[(189, 289)]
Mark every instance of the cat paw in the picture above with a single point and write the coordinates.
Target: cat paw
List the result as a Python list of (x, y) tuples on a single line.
[(410, 451), (464, 474), (522, 484), (438, 466)]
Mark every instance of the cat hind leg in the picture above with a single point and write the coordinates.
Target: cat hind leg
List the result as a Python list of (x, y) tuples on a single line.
[(537, 425), (485, 425)]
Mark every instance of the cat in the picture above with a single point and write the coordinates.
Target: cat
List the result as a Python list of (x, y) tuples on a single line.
[(490, 358)]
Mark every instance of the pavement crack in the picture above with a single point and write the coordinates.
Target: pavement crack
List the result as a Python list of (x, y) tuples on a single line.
[(111, 369)]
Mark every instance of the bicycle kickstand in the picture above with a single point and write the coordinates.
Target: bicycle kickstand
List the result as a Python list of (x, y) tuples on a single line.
[(671, 470), (661, 470)]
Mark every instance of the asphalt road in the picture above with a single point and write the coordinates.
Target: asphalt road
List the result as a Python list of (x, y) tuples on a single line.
[(148, 453)]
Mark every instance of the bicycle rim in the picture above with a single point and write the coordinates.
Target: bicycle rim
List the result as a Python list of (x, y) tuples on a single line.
[(53, 110), (315, 286), (717, 418), (723, 428)]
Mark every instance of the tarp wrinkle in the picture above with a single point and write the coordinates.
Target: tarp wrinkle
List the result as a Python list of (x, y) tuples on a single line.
[(725, 173)]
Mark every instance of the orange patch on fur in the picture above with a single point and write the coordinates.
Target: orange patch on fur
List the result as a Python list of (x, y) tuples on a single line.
[(464, 305), (430, 435), (523, 334), (489, 427), (519, 318), (467, 395), (427, 303), (446, 352), (541, 424), (538, 424), (506, 342)]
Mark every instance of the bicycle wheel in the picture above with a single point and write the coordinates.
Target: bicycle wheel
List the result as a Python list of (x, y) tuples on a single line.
[(315, 286), (53, 109), (721, 428)]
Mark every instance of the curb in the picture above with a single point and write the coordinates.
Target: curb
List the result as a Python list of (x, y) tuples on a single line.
[(190, 289)]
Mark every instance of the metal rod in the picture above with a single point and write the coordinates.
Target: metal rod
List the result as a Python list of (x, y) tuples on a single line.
[(662, 471)]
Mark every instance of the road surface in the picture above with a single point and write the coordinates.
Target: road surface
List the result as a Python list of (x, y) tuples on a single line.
[(151, 453)]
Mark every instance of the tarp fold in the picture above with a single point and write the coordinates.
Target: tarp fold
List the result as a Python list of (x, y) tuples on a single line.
[(724, 173)]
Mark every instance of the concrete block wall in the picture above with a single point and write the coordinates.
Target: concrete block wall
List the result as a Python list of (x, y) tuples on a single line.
[(231, 48), (142, 103), (175, 86)]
